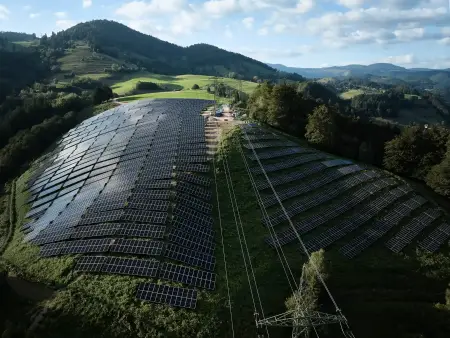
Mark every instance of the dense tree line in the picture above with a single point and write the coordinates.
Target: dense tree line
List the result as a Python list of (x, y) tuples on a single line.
[(387, 104), (414, 151), (20, 68), (16, 36)]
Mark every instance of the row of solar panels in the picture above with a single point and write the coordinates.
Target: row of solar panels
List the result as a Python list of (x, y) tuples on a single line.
[(318, 175)]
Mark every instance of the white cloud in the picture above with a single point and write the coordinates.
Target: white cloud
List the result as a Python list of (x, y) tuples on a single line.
[(61, 15), (189, 21), (65, 24), (304, 6), (4, 12), (26, 8), (248, 22), (228, 33), (263, 31), (406, 59), (35, 15), (279, 28), (351, 3), (221, 7), (380, 24), (87, 3), (141, 9), (445, 41)]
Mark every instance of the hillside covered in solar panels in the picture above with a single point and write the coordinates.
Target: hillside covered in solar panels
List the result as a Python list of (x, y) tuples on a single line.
[(106, 190), (133, 226)]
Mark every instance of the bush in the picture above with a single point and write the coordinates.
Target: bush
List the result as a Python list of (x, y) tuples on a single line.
[(102, 94), (195, 87), (86, 83), (141, 85)]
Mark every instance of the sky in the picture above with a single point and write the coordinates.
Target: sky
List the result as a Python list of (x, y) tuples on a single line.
[(297, 33)]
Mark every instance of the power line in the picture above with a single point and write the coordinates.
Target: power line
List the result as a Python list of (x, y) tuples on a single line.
[(321, 318), (238, 222), (223, 246)]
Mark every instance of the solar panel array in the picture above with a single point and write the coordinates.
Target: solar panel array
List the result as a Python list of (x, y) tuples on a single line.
[(324, 195), (338, 191), (288, 163), (317, 182), (412, 229), (111, 187), (265, 155), (382, 226), (302, 172), (361, 216), (436, 238)]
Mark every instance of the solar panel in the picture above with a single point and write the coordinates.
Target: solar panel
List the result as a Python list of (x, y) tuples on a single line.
[(150, 194), (199, 168), (90, 263), (192, 228), (137, 247), (381, 226), (131, 267), (270, 154), (141, 230), (97, 230), (86, 246), (188, 276), (157, 184), (194, 203), (196, 179), (145, 216), (364, 214), (102, 217), (297, 190), (436, 238), (174, 296), (193, 215), (190, 257), (326, 194), (412, 229), (157, 205), (288, 163), (189, 241), (193, 190)]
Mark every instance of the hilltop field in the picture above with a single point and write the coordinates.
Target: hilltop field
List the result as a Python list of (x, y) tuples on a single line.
[(86, 64)]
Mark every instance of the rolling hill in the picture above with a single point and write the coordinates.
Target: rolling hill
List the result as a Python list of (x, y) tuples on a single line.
[(437, 80), (158, 56)]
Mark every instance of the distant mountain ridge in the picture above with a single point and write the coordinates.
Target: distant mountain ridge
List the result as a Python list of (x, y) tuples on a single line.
[(377, 69)]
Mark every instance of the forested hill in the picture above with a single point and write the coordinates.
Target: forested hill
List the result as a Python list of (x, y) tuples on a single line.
[(162, 57), (15, 36)]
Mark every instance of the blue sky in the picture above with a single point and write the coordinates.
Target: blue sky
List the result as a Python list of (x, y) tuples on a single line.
[(301, 33)]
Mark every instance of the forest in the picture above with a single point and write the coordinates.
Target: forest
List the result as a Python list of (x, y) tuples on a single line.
[(413, 151), (33, 114), (161, 57)]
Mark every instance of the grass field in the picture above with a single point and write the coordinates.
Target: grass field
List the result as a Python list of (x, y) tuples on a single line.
[(348, 95), (81, 61), (184, 81), (182, 94)]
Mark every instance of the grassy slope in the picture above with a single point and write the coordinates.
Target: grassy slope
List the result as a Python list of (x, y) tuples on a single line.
[(72, 62), (185, 81), (348, 95)]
